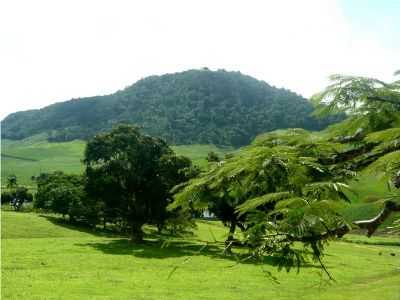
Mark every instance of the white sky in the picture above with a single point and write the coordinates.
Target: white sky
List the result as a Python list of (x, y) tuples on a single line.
[(53, 51)]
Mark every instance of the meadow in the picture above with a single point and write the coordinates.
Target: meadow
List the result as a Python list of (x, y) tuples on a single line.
[(45, 258)]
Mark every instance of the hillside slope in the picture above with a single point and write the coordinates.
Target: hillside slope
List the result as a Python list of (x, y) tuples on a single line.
[(191, 107), (32, 156)]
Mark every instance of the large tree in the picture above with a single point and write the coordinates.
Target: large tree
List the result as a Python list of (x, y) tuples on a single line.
[(131, 175), (288, 184)]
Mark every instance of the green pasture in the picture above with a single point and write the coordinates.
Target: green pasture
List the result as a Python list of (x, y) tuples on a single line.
[(44, 258)]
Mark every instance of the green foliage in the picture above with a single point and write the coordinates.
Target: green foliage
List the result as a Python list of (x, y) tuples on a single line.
[(372, 99), (284, 188), (64, 194), (358, 95), (212, 157), (192, 107)]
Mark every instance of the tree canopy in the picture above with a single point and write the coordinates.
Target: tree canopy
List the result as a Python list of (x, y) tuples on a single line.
[(375, 101), (64, 194), (130, 175)]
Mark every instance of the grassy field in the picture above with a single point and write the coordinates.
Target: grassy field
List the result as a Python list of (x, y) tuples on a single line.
[(34, 155), (43, 258)]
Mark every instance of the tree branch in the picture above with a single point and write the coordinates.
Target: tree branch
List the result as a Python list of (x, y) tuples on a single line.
[(372, 224), (379, 99)]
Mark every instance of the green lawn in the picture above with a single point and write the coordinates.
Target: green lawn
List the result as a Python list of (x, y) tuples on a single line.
[(30, 157), (42, 258)]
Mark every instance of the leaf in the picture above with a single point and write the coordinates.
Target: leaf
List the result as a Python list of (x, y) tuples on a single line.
[(253, 203)]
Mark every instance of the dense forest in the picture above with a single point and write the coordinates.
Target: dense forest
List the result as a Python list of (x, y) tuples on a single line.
[(195, 106)]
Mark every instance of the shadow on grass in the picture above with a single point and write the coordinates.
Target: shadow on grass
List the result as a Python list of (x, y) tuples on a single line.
[(79, 227), (160, 246), (156, 249)]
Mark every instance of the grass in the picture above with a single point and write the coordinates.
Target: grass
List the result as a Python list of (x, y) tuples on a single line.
[(44, 258), (198, 153), (30, 157)]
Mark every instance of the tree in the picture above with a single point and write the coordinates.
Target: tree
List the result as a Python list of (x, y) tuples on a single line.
[(277, 177), (131, 174), (287, 183), (212, 157), (375, 105)]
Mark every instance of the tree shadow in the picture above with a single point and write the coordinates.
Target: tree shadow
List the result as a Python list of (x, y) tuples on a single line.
[(161, 249), (80, 227), (158, 249), (161, 245)]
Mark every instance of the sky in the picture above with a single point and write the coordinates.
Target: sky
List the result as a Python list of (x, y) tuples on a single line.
[(53, 51)]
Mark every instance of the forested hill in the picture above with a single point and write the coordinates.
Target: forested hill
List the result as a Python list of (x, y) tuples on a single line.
[(195, 106)]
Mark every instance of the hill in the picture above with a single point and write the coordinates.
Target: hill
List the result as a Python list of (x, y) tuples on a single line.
[(191, 107)]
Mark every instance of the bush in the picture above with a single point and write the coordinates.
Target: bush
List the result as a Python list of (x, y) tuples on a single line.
[(64, 194), (212, 157)]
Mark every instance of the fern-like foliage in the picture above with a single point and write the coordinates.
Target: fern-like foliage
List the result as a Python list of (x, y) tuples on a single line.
[(285, 187), (357, 95)]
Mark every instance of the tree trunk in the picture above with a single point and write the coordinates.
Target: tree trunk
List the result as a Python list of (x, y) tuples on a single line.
[(232, 229), (159, 228), (371, 225), (230, 239), (241, 226), (137, 232)]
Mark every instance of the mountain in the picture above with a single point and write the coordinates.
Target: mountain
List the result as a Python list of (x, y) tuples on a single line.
[(195, 106)]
